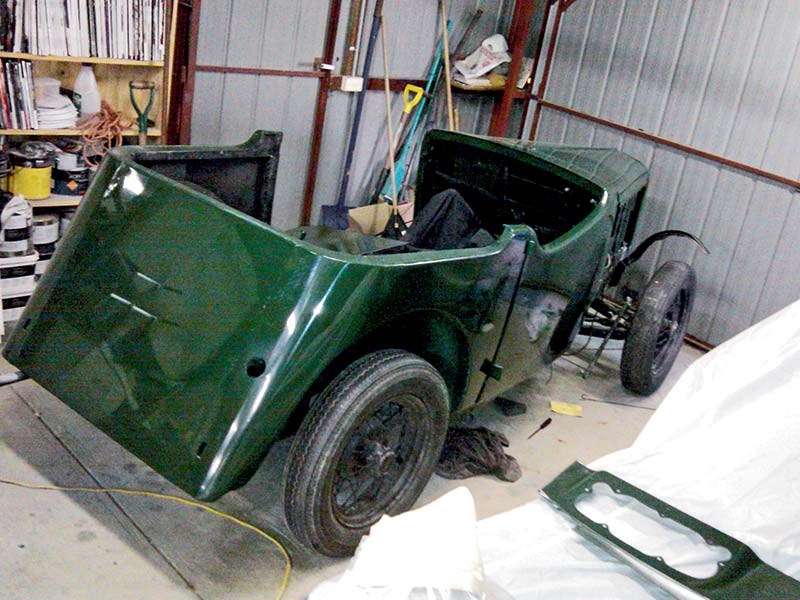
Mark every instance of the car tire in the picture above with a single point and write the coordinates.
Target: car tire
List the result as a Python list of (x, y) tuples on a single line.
[(658, 327), (366, 448)]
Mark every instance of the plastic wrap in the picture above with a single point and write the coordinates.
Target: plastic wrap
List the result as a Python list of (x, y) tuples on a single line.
[(722, 447), (427, 553)]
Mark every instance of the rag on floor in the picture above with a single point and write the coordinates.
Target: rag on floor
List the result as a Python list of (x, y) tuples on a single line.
[(476, 451)]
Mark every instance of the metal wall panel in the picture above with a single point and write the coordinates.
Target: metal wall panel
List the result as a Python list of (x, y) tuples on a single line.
[(288, 35), (273, 34), (722, 76)]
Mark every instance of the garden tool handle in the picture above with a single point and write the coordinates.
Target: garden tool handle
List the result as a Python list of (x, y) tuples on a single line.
[(410, 102), (142, 114)]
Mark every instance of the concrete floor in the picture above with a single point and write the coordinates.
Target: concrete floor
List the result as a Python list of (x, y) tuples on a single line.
[(79, 545)]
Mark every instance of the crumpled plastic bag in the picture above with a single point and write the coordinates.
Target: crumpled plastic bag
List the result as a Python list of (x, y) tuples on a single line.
[(430, 552), (492, 53)]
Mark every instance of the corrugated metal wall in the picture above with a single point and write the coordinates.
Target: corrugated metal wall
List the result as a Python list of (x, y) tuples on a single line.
[(288, 35), (274, 34), (722, 76)]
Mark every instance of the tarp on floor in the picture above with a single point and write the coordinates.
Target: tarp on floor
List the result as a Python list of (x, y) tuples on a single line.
[(723, 447)]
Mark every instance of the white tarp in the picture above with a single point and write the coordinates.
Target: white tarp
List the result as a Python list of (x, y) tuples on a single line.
[(724, 447)]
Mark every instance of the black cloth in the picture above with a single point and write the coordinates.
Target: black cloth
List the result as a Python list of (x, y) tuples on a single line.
[(476, 451), (446, 222)]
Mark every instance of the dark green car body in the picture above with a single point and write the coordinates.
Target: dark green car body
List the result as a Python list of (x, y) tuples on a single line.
[(179, 322)]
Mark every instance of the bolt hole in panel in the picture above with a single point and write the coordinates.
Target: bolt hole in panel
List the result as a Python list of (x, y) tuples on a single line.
[(256, 367), (643, 528)]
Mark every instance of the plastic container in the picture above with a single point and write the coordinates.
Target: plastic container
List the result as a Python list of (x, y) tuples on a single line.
[(86, 93)]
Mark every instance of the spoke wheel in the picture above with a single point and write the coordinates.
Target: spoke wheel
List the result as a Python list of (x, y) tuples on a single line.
[(366, 448), (658, 327)]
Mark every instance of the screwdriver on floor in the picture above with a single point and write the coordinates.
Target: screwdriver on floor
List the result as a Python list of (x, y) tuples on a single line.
[(544, 424)]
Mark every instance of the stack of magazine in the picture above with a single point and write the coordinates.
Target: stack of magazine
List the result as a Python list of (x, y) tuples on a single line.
[(17, 107), (53, 110), (122, 29)]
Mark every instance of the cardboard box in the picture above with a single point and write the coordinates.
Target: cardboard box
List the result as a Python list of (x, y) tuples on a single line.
[(372, 219)]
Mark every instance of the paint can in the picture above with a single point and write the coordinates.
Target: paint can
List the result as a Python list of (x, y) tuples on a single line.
[(30, 176), (45, 229), (72, 182), (18, 275), (14, 305)]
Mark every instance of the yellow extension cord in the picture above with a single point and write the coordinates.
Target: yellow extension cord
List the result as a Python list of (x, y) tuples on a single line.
[(286, 571)]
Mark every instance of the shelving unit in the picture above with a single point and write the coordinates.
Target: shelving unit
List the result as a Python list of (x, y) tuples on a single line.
[(154, 132), (521, 25), (83, 59), (56, 201), (113, 76)]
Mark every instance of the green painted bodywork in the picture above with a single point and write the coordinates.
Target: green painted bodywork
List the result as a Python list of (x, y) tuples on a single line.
[(177, 320)]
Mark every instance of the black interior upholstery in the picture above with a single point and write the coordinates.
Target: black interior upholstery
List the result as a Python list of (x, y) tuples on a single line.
[(446, 222)]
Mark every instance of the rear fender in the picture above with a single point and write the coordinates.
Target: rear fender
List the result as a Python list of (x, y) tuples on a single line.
[(433, 335)]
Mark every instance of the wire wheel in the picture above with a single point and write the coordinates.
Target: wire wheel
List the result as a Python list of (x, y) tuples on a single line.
[(670, 330), (366, 448), (377, 462), (658, 327)]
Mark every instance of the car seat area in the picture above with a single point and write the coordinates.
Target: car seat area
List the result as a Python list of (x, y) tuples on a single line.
[(503, 188), (446, 222)]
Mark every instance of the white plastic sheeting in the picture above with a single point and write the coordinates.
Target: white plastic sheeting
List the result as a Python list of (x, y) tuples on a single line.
[(431, 552), (724, 447)]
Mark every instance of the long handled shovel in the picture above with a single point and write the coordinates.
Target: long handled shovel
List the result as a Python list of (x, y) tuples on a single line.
[(335, 216), (409, 102), (401, 162)]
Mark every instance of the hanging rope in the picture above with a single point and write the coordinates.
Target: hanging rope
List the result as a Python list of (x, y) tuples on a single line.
[(104, 131)]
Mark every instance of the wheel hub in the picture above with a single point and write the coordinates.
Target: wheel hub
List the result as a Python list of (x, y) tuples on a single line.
[(380, 458)]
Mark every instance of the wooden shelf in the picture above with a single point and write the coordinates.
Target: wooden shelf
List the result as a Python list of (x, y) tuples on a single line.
[(84, 59), (151, 132), (56, 201)]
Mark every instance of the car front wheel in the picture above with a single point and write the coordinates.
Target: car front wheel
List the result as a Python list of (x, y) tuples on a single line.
[(366, 448), (658, 328)]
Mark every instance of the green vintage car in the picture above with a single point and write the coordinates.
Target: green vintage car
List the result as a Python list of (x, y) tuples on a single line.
[(183, 325)]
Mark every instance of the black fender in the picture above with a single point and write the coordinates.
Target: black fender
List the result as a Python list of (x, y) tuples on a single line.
[(632, 257)]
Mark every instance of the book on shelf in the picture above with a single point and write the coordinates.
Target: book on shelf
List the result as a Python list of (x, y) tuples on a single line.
[(117, 29), (17, 105)]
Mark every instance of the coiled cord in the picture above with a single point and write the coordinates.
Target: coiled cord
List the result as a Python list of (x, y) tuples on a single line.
[(104, 131)]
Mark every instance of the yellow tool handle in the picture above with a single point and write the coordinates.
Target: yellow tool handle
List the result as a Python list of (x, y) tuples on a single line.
[(408, 101)]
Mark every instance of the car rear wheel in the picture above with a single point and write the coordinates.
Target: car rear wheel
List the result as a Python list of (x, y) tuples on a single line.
[(658, 327), (366, 448)]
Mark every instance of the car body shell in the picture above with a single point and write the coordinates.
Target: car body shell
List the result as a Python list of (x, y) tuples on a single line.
[(183, 325)]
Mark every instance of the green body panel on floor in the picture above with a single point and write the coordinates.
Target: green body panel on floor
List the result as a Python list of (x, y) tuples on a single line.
[(178, 321)]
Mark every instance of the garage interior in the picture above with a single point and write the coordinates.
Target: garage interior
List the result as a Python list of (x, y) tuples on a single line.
[(705, 95)]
